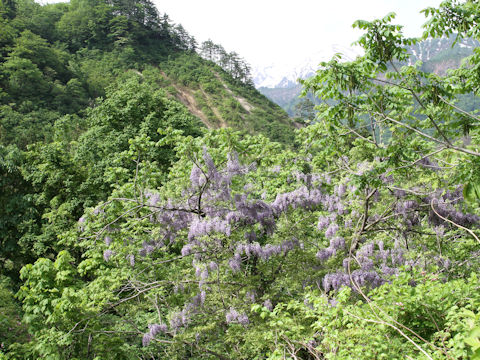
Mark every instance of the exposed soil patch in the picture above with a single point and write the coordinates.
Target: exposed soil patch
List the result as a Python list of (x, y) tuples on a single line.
[(245, 104)]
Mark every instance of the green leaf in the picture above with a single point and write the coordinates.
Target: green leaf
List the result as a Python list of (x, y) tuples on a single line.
[(471, 192)]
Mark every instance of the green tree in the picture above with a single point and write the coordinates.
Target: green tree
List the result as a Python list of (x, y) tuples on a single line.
[(85, 24), (367, 197), (8, 9), (17, 214), (305, 110), (36, 49)]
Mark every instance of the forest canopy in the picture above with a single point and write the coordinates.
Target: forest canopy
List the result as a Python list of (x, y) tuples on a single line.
[(130, 231)]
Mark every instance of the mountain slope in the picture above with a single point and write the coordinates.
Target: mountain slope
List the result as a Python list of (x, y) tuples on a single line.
[(81, 84), (221, 101), (56, 59)]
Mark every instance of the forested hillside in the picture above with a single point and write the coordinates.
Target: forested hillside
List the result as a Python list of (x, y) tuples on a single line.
[(57, 59), (138, 222)]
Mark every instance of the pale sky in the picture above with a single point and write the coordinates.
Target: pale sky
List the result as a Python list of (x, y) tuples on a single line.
[(280, 31), (285, 32)]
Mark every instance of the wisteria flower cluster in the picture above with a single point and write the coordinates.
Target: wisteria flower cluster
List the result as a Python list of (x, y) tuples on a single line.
[(229, 230)]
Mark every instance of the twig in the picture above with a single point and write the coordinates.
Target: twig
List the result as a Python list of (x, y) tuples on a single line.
[(423, 106), (459, 110), (454, 223)]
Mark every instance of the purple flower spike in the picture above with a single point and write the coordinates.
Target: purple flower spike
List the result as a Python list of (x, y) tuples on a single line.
[(268, 304), (107, 254), (146, 339)]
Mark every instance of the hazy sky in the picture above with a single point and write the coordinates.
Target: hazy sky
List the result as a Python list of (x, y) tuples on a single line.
[(269, 31)]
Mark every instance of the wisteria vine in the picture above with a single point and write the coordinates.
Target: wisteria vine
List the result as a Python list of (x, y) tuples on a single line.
[(213, 210)]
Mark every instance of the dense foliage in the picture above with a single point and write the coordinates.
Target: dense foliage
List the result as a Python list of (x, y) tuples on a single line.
[(56, 59), (131, 232)]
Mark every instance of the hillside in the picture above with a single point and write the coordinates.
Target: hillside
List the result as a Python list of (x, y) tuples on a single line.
[(78, 82), (57, 59), (82, 86), (218, 100), (138, 223)]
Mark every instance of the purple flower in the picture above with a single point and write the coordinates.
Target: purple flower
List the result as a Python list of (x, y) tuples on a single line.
[(187, 249), (307, 303), (131, 259), (255, 248), (199, 299), (348, 223), (178, 288), (231, 315), (147, 248), (332, 302), (331, 231), (235, 263), (388, 271), (397, 257), (362, 277), (387, 180), (366, 250), (366, 263), (156, 329), (325, 254), (341, 189), (179, 319), (197, 177), (243, 319), (407, 210), (302, 197), (268, 304), (335, 281), (153, 199), (233, 165), (399, 193), (176, 321), (81, 223), (250, 296), (107, 254), (340, 208), (337, 243), (146, 339), (200, 227), (380, 245), (198, 271), (323, 222), (439, 230)]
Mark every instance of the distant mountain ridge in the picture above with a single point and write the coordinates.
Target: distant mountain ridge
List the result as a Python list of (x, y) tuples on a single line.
[(280, 83), (434, 49), (278, 75)]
